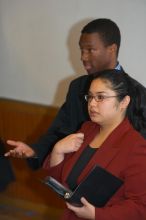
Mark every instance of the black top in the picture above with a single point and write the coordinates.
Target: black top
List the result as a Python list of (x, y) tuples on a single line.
[(79, 166)]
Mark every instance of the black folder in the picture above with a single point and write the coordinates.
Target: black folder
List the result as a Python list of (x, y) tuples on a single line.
[(98, 187)]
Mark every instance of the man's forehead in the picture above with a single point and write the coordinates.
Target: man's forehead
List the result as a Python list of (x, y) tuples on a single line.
[(89, 39)]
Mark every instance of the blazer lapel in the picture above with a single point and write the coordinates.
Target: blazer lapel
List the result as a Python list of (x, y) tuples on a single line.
[(110, 148), (113, 144), (105, 154)]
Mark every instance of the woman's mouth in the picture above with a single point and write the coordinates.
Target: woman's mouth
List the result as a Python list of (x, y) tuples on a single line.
[(93, 113)]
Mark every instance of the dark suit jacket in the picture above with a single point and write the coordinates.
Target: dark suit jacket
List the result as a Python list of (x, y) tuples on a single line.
[(123, 153), (6, 172), (68, 120)]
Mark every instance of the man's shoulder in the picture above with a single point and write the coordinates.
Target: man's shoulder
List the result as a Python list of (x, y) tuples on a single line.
[(80, 84), (79, 79)]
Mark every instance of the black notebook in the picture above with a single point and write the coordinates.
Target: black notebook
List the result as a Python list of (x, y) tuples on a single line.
[(98, 187)]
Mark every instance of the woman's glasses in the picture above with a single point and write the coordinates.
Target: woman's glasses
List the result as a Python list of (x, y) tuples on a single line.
[(97, 98)]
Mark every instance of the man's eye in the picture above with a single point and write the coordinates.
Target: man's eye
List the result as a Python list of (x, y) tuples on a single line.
[(91, 50)]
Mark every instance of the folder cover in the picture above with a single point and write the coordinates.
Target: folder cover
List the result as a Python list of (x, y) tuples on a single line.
[(98, 187)]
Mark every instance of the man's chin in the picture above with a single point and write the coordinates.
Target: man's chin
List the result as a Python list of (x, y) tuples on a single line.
[(90, 71)]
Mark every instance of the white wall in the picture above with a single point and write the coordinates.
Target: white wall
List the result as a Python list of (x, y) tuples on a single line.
[(39, 52)]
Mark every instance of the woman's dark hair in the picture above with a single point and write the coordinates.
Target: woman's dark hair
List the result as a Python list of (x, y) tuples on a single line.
[(124, 85)]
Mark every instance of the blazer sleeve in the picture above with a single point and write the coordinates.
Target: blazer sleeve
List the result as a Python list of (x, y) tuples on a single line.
[(133, 206)]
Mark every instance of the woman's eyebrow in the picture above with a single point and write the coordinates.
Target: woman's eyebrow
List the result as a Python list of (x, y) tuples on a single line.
[(99, 92)]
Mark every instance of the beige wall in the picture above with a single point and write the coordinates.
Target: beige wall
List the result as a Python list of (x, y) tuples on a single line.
[(39, 52)]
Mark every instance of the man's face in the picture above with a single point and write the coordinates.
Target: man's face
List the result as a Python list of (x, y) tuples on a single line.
[(94, 54)]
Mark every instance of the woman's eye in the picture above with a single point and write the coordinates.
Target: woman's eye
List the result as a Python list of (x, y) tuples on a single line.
[(100, 97)]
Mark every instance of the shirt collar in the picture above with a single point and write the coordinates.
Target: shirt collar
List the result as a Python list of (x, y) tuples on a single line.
[(118, 67)]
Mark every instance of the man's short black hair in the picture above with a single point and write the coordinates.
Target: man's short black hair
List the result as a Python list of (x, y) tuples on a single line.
[(107, 30)]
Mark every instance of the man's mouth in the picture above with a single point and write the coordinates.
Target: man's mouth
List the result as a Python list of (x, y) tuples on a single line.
[(87, 66)]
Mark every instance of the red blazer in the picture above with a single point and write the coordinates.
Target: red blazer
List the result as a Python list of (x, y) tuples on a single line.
[(123, 153)]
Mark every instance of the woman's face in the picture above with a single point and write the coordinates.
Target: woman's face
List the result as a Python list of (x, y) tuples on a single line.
[(106, 109)]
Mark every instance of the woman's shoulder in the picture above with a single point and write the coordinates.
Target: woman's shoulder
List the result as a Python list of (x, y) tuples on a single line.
[(137, 143)]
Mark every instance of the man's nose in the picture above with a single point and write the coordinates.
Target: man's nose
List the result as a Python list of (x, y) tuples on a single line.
[(84, 56)]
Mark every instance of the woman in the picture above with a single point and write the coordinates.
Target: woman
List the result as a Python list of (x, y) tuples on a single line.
[(111, 140)]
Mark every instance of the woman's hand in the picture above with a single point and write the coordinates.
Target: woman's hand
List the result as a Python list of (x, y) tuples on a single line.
[(87, 211), (69, 144)]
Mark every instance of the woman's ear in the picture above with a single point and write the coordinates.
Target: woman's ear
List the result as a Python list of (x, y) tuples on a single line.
[(125, 102)]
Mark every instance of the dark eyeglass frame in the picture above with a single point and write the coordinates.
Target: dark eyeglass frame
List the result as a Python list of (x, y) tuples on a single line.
[(98, 97)]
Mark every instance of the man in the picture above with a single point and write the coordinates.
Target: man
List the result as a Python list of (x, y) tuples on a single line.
[(99, 43)]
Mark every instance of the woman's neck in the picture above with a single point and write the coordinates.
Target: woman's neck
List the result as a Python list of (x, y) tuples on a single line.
[(104, 132)]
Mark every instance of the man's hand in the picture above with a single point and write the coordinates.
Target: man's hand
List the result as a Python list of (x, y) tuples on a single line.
[(21, 150)]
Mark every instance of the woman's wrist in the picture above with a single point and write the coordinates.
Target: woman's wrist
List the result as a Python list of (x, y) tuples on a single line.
[(56, 157)]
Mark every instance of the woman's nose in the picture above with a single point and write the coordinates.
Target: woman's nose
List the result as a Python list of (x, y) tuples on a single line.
[(93, 102)]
